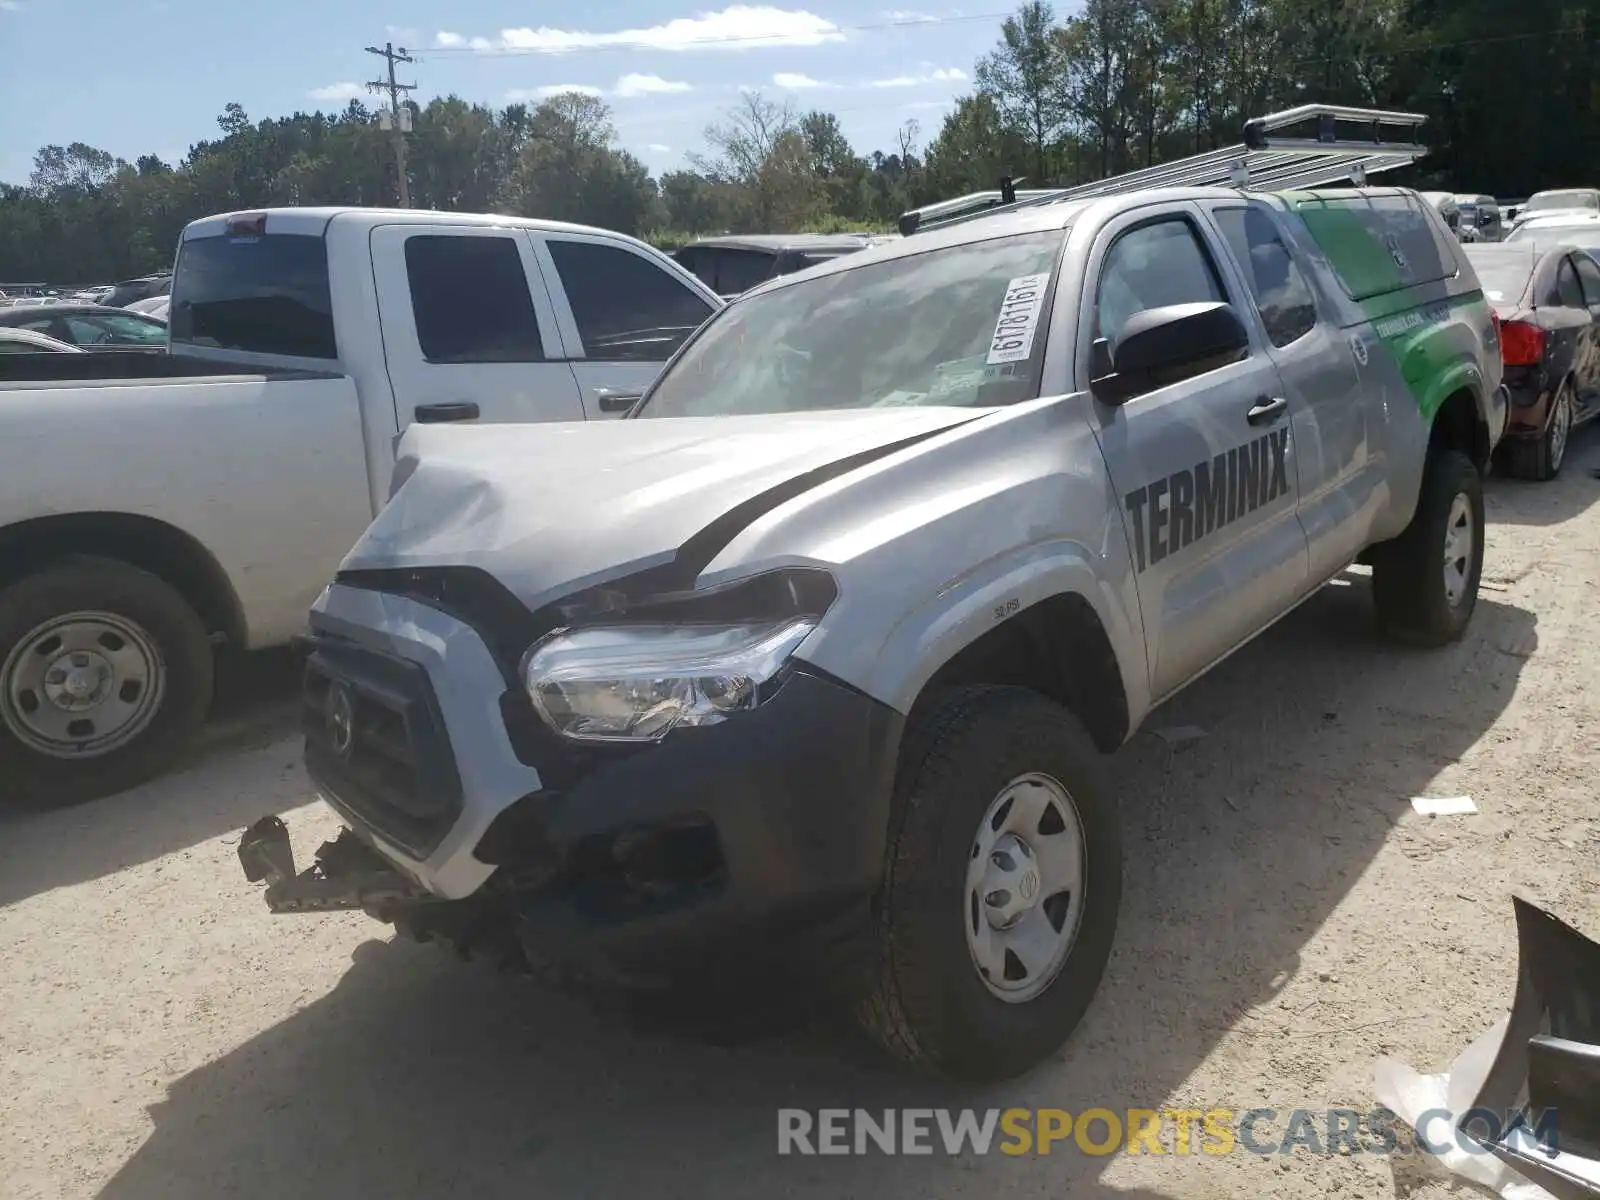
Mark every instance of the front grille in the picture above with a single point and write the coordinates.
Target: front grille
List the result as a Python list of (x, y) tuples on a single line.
[(376, 743)]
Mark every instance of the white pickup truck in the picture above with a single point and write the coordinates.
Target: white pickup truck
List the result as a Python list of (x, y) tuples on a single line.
[(153, 509)]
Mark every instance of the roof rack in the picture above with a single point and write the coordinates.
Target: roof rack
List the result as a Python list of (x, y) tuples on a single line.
[(1309, 146)]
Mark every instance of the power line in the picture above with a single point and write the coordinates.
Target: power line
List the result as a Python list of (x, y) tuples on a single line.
[(400, 118)]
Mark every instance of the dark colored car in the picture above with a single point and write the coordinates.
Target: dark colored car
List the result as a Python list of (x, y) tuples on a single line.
[(26, 341), (737, 263), (91, 326), (143, 288), (1547, 302)]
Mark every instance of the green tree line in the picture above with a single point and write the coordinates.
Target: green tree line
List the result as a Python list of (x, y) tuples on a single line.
[(1509, 92)]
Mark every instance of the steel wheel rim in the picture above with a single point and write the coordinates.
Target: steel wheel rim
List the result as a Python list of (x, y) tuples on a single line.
[(1023, 901), (1458, 541), (1560, 427), (82, 685)]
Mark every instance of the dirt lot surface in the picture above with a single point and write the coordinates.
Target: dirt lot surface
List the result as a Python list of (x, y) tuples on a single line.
[(1288, 917)]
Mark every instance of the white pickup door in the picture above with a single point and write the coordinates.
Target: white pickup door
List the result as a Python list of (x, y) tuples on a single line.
[(506, 323)]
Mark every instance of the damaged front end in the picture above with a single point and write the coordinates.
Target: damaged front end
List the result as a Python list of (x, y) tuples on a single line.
[(1524, 1097), (347, 873)]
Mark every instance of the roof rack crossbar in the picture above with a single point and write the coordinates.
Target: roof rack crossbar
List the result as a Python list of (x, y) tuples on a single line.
[(1343, 145)]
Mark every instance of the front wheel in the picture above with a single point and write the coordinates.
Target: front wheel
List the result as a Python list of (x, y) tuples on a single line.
[(1425, 582), (105, 674), (1003, 882)]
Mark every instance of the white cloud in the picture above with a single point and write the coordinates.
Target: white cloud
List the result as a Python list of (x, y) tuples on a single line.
[(942, 75), (907, 16), (445, 40), (338, 91), (737, 27), (10, 5), (404, 34), (520, 95), (794, 82), (630, 86), (658, 148)]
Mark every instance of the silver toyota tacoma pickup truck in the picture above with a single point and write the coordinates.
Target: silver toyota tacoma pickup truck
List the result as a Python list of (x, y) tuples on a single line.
[(807, 668)]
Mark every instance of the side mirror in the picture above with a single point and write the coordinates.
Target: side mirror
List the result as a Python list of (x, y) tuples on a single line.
[(1161, 346)]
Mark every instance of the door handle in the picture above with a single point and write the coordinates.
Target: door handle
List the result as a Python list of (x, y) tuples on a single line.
[(452, 410), (1266, 410), (616, 399)]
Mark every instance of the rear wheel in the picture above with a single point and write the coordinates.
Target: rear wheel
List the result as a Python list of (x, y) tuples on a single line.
[(1540, 459), (1004, 878), (1425, 582), (105, 674)]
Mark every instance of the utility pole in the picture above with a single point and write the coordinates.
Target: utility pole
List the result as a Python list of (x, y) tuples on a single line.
[(399, 117)]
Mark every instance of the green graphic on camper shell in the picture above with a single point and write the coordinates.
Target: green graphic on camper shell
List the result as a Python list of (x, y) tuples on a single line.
[(1403, 280)]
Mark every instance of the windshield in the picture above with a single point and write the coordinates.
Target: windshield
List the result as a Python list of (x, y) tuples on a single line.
[(951, 326), (1503, 272), (1573, 198)]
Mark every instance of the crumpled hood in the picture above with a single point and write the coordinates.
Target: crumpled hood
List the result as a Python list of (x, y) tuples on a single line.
[(549, 509)]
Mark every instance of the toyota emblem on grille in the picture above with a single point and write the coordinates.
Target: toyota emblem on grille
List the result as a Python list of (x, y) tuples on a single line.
[(341, 718)]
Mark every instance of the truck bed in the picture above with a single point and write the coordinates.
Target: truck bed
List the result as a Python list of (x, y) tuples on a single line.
[(129, 366)]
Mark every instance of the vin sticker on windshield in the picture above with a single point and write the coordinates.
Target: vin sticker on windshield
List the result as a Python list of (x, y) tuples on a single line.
[(1019, 317)]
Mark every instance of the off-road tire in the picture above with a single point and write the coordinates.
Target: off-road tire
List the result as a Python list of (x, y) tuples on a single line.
[(1539, 459), (103, 585), (927, 1002), (1408, 587)]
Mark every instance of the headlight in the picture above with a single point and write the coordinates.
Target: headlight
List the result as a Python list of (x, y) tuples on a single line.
[(633, 683)]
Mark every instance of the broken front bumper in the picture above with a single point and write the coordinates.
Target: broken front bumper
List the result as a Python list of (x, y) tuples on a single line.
[(1547, 1071), (347, 873), (762, 833)]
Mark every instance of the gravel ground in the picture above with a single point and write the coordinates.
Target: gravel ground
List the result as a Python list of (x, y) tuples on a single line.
[(1287, 918)]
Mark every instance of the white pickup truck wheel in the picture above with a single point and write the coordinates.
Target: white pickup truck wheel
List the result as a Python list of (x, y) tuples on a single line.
[(1003, 882), (105, 673)]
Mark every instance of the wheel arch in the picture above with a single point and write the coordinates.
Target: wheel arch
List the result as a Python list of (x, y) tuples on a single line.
[(1057, 646), (163, 550), (1459, 424)]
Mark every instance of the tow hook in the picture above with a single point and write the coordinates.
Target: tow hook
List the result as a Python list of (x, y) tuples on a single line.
[(347, 873)]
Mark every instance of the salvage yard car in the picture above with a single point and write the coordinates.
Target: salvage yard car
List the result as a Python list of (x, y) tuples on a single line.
[(805, 670), (90, 326), (213, 490), (1547, 300), (736, 263)]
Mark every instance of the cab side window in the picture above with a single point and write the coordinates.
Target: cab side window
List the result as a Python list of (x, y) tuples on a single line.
[(1149, 267), (470, 299), (1281, 293)]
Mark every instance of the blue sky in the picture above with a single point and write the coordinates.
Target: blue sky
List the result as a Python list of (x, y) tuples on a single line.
[(142, 76)]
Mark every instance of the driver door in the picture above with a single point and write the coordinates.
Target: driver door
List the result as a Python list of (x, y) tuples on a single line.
[(1204, 469)]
